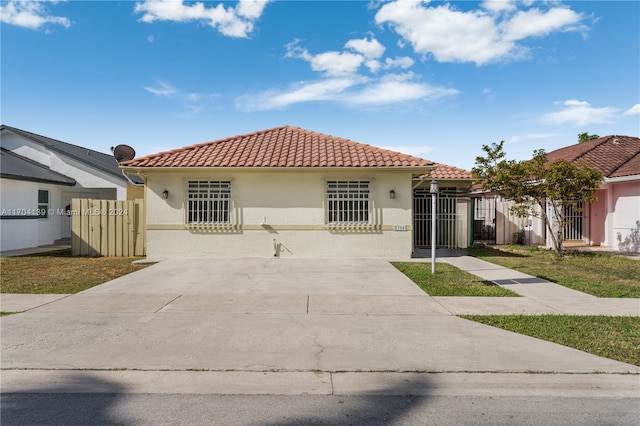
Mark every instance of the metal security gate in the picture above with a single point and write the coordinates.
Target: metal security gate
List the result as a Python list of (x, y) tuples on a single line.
[(484, 220), (446, 231), (573, 221)]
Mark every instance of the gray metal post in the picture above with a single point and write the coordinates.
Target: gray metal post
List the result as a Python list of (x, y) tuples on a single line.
[(434, 194)]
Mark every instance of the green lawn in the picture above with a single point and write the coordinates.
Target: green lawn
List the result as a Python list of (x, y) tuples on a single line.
[(59, 272), (600, 275), (450, 281), (611, 337)]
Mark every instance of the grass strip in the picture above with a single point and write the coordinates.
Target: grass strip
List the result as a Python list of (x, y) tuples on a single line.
[(450, 281), (610, 337), (600, 275), (60, 273)]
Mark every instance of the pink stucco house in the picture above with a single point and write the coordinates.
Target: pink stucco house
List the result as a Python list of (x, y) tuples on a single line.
[(613, 220)]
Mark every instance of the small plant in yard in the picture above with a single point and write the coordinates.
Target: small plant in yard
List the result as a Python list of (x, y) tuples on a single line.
[(600, 275), (611, 337), (59, 272), (450, 281)]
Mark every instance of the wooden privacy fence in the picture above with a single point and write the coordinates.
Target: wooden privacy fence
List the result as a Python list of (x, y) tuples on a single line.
[(107, 227)]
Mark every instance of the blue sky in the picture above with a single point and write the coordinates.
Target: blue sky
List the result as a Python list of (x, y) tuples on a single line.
[(432, 79)]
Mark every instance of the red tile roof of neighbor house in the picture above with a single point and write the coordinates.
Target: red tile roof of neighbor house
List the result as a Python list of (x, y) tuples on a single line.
[(285, 146), (614, 156)]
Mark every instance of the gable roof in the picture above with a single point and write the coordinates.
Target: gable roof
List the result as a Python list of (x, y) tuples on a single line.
[(285, 146), (97, 160), (614, 156), (14, 166)]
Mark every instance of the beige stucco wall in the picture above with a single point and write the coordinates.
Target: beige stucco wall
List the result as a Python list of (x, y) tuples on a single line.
[(285, 208)]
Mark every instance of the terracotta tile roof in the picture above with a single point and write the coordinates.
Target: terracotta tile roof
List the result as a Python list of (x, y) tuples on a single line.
[(614, 156), (443, 171), (285, 146)]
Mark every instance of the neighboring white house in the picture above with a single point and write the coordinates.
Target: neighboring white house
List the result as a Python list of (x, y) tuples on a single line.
[(285, 191), (39, 177)]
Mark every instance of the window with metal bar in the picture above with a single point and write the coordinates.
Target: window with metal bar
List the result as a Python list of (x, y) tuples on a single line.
[(348, 202), (209, 202)]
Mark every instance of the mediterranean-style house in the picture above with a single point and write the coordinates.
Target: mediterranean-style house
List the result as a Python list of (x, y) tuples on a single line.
[(287, 191), (612, 221), (39, 177)]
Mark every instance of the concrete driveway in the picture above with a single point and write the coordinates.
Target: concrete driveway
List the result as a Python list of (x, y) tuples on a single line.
[(294, 315)]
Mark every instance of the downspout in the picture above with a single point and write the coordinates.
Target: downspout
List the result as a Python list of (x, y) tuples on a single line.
[(132, 183)]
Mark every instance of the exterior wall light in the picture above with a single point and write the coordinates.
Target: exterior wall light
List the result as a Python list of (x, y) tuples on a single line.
[(392, 194), (165, 194)]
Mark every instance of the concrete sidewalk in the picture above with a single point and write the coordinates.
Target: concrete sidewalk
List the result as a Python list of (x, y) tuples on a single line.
[(321, 383)]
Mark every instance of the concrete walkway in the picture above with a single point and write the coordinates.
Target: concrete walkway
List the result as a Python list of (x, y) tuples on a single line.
[(36, 250)]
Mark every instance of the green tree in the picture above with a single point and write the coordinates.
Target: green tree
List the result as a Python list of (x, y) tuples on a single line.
[(585, 136), (538, 188)]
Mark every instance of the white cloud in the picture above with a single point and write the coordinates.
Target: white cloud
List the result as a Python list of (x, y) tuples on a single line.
[(330, 63), (352, 90), (533, 22), (336, 63), (251, 9), (373, 65), (482, 36), (634, 110), (32, 14), (344, 80), (162, 89), (499, 6), (323, 90), (190, 100), (399, 62), (580, 113), (394, 88), (370, 49), (230, 21), (447, 34)]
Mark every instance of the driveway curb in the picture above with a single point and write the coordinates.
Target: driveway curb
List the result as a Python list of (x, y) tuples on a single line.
[(321, 383)]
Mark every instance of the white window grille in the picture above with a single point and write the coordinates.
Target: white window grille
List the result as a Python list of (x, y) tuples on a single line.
[(348, 202), (209, 202), (573, 220)]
